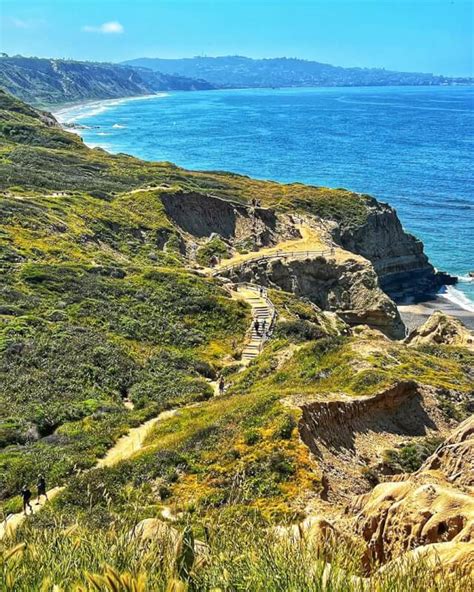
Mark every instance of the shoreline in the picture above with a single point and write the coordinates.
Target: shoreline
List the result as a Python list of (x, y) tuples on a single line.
[(414, 315), (59, 111)]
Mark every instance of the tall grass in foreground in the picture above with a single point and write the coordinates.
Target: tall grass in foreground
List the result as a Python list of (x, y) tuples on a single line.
[(240, 557)]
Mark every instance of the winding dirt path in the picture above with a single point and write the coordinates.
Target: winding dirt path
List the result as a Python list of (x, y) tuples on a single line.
[(134, 439), (131, 442), (124, 448)]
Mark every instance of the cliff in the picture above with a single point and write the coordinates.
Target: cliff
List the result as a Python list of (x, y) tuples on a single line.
[(440, 328), (403, 269), (348, 287), (50, 81)]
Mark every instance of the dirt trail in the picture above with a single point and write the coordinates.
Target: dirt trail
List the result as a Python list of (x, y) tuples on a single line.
[(310, 241), (13, 521), (127, 445), (124, 448)]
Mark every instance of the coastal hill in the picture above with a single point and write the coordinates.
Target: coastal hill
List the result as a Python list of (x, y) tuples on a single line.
[(54, 81), (184, 445), (243, 72)]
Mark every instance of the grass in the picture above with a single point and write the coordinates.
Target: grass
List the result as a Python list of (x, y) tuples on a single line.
[(76, 340), (96, 305), (364, 365), (241, 555)]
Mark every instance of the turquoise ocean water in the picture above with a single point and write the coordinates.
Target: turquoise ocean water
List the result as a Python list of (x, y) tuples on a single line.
[(410, 147)]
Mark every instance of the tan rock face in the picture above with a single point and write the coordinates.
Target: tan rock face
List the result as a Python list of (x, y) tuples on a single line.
[(444, 559), (454, 460), (346, 435), (348, 287), (425, 508), (397, 256), (442, 329)]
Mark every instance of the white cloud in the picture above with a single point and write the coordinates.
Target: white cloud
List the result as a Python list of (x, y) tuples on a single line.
[(110, 27), (24, 23)]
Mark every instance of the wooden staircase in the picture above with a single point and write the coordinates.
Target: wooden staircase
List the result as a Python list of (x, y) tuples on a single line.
[(263, 311)]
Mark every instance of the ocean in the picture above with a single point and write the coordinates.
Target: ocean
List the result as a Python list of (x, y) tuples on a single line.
[(410, 147)]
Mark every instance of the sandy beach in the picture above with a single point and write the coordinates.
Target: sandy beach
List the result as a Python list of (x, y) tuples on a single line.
[(414, 315)]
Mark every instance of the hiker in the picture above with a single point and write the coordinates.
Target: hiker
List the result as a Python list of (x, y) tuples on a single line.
[(264, 324), (262, 292), (26, 496), (41, 485), (257, 326), (221, 385)]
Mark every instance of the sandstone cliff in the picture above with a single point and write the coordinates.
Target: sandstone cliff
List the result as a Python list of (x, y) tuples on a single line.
[(397, 256), (440, 328), (349, 288), (428, 507)]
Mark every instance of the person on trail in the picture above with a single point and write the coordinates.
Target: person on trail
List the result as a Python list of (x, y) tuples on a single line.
[(264, 324), (41, 485), (257, 326), (26, 496), (221, 385), (262, 292)]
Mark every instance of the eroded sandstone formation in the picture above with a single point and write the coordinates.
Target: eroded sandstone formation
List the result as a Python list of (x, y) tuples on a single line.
[(348, 287), (441, 329), (397, 256), (434, 505)]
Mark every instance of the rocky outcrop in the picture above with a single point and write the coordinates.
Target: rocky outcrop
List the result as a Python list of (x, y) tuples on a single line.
[(349, 288), (444, 560), (202, 216), (431, 506), (334, 423), (454, 459), (442, 329), (397, 256)]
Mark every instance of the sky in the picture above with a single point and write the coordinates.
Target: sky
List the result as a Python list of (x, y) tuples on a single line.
[(409, 35)]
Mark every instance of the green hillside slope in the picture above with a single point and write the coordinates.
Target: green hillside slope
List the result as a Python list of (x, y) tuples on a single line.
[(50, 82), (107, 320)]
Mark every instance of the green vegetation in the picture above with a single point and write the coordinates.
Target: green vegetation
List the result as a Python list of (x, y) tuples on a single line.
[(364, 365), (241, 555), (100, 307), (409, 457), (215, 248), (51, 81), (77, 340)]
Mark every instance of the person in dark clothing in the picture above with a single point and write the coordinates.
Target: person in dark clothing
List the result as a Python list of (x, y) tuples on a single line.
[(26, 496), (264, 325), (257, 326), (221, 385), (41, 484)]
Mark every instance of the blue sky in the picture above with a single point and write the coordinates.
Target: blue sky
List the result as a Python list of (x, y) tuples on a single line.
[(413, 35)]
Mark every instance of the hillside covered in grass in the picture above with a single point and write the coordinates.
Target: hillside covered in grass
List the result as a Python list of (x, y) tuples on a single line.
[(111, 313), (53, 81)]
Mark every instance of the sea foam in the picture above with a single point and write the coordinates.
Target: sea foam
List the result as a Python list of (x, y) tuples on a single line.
[(92, 109), (458, 298)]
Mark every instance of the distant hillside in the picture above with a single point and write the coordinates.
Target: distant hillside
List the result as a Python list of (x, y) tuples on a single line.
[(50, 81), (238, 72)]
